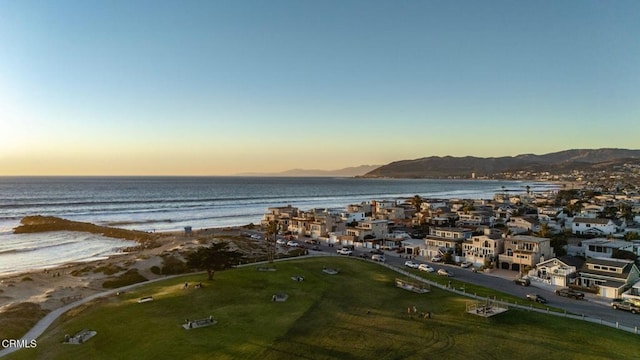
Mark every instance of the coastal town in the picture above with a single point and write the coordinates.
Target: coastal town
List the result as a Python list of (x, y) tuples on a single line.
[(586, 239), (577, 240)]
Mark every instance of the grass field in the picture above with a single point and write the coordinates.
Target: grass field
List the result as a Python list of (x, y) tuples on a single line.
[(356, 314)]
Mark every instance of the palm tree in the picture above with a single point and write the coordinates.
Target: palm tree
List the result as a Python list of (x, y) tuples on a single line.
[(417, 201), (271, 234)]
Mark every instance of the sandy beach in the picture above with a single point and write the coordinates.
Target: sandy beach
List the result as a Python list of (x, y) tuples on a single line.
[(56, 287)]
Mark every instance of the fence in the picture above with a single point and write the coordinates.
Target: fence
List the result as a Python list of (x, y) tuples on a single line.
[(510, 305)]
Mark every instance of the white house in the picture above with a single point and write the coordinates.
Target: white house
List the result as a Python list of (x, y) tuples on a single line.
[(593, 226), (604, 248), (554, 272), (351, 216)]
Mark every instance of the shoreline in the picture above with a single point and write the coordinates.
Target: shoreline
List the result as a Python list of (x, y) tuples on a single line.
[(53, 287)]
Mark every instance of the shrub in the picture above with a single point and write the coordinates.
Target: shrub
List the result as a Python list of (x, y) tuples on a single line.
[(27, 278), (130, 277), (109, 269), (297, 252), (156, 270), (79, 272), (172, 265)]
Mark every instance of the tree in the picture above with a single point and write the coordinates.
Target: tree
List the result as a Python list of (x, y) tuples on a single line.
[(632, 235), (609, 212), (417, 201), (271, 235), (544, 230), (559, 243), (215, 257)]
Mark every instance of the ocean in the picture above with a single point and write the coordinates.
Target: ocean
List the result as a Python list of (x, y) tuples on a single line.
[(171, 203)]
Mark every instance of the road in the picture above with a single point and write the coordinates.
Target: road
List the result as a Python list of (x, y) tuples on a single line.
[(593, 306)]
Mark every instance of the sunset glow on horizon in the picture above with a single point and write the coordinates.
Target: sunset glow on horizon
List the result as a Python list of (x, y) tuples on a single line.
[(228, 87)]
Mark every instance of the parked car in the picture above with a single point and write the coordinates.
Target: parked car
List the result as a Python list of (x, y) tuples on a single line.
[(411, 264), (436, 258), (445, 272), (536, 298), (620, 304), (378, 258), (256, 237), (522, 281), (377, 251), (426, 267), (465, 264), (570, 293), (281, 242), (292, 243), (316, 248), (344, 251)]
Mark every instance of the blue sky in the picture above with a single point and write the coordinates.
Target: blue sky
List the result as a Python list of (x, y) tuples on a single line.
[(224, 87)]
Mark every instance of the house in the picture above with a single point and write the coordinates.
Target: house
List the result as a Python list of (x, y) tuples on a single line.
[(611, 277), (413, 247), (374, 229), (444, 239), (633, 293), (395, 214), (593, 226), (324, 223), (604, 248), (364, 207), (520, 224), (483, 249), (521, 251), (554, 272), (478, 217), (591, 211), (281, 214)]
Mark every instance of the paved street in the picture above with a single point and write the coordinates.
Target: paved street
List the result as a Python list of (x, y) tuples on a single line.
[(502, 280)]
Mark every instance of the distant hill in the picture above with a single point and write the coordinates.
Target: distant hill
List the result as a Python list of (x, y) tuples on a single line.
[(346, 172), (448, 166)]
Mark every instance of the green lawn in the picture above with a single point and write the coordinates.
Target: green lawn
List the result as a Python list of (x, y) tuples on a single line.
[(357, 314)]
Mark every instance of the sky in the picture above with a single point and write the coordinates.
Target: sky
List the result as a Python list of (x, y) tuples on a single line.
[(225, 87)]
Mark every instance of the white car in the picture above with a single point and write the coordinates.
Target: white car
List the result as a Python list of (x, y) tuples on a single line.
[(436, 258), (378, 258), (465, 264), (445, 272), (344, 251), (292, 243), (425, 267), (411, 264), (280, 242)]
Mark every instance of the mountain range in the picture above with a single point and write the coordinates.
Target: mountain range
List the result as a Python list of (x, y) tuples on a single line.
[(346, 172), (464, 167)]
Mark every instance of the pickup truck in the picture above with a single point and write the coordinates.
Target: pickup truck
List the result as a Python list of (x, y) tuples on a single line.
[(570, 293), (344, 251), (625, 305)]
